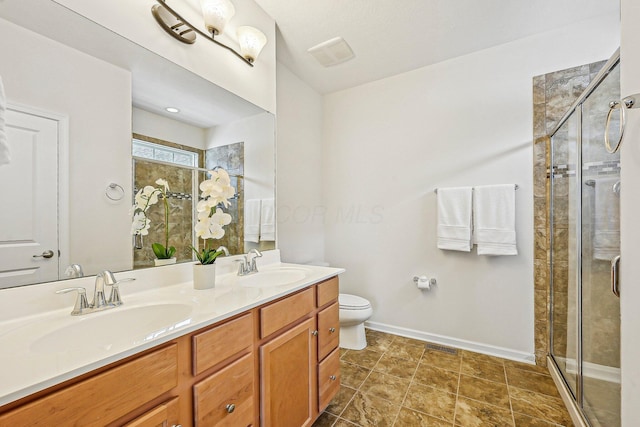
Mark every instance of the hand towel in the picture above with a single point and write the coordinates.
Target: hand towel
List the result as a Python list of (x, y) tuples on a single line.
[(606, 236), (5, 154), (268, 220), (454, 218), (494, 213), (252, 220)]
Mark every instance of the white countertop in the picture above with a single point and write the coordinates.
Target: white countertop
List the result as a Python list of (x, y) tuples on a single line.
[(43, 345)]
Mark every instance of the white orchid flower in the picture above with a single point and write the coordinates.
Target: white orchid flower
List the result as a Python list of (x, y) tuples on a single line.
[(221, 218), (140, 224), (164, 183)]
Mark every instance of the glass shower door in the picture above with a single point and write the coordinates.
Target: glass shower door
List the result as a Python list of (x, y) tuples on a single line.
[(564, 273), (600, 245)]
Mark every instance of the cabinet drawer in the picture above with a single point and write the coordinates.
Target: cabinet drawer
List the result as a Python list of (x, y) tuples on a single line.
[(105, 397), (226, 398), (221, 342), (279, 314), (328, 379), (164, 415), (327, 291), (328, 330)]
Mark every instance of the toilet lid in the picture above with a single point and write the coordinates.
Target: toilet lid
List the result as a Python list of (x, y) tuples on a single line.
[(353, 301)]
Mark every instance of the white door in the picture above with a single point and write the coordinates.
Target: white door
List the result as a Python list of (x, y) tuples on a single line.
[(29, 194)]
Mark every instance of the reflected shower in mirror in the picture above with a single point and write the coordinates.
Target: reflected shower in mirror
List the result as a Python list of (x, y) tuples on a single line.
[(90, 92)]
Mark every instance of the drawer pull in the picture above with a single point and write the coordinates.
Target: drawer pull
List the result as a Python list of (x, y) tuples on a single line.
[(332, 330), (314, 333), (230, 408), (177, 425), (332, 377)]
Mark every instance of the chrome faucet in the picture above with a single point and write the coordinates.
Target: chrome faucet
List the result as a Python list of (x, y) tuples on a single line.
[(73, 271), (248, 264), (223, 249), (99, 303)]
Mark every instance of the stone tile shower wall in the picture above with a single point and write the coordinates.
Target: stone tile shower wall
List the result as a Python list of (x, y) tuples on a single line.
[(181, 205), (553, 94)]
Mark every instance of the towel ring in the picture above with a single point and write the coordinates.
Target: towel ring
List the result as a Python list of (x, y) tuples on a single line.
[(627, 103), (114, 192)]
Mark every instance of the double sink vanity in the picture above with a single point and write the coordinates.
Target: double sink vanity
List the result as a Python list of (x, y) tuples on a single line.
[(255, 350)]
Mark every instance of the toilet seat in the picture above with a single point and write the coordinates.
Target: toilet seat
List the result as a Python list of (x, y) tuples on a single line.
[(353, 302)]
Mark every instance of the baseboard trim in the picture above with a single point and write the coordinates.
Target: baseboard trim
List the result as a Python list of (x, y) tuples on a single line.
[(572, 407), (491, 350), (593, 370)]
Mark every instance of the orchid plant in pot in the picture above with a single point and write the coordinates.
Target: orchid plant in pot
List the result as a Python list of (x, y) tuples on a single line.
[(215, 194), (144, 199)]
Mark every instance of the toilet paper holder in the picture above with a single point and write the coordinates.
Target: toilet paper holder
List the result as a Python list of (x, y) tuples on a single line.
[(423, 282)]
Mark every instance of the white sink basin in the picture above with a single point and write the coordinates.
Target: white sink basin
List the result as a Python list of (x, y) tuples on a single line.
[(269, 278), (113, 327)]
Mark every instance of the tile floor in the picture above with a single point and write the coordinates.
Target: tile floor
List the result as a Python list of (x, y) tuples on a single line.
[(395, 381)]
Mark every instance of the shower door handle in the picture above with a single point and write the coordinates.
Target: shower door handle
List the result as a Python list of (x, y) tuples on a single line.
[(615, 275)]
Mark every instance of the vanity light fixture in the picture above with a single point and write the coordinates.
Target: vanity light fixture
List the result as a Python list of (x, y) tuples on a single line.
[(172, 109), (216, 14)]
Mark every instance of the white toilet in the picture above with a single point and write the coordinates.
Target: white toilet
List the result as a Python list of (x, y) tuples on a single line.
[(354, 311)]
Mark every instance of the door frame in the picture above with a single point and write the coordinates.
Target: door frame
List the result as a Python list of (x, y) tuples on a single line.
[(63, 177)]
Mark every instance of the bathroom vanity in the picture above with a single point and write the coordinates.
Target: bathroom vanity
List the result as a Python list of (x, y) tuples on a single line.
[(245, 355)]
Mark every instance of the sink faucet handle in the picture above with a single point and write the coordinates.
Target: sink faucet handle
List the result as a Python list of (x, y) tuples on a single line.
[(253, 268), (242, 266), (114, 296), (81, 301)]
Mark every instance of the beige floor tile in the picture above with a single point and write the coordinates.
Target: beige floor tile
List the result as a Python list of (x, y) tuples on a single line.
[(529, 380), (408, 352), (325, 420), (365, 358), (539, 405), (527, 421), (352, 375), (471, 413), (396, 366), (408, 341), (491, 392), (378, 341), (510, 364), (431, 401), (341, 400), (484, 370), (386, 386), (479, 357), (345, 423), (367, 410), (437, 377), (450, 362), (410, 418)]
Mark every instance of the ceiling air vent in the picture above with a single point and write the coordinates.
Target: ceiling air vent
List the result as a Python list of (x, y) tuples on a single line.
[(332, 52)]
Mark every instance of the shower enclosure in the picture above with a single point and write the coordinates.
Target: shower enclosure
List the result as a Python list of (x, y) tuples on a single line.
[(585, 248)]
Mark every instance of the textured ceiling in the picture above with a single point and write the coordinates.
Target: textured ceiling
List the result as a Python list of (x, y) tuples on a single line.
[(393, 36)]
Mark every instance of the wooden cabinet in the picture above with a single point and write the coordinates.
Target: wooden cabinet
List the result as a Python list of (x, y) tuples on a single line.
[(275, 365), (286, 365)]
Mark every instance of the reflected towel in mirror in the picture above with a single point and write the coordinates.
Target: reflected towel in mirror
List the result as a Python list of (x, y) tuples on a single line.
[(268, 220), (252, 220)]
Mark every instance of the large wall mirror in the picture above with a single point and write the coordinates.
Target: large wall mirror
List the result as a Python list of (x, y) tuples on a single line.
[(87, 126)]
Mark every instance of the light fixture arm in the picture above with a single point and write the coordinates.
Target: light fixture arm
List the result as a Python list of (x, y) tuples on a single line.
[(171, 29)]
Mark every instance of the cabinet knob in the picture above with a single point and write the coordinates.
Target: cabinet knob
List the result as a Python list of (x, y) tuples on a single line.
[(314, 333), (230, 408), (332, 330), (332, 377)]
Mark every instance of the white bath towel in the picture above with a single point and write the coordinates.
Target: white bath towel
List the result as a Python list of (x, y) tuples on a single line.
[(454, 218), (252, 220), (606, 236), (494, 213), (268, 220), (5, 154)]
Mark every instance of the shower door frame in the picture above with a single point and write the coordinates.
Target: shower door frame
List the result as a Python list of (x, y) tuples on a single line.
[(576, 108)]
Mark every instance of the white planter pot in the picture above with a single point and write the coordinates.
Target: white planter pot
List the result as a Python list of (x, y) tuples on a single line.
[(167, 261), (204, 276)]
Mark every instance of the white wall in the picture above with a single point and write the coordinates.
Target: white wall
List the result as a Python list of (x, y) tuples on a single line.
[(133, 20), (258, 134), (629, 209), (156, 126), (96, 96), (299, 178), (467, 121)]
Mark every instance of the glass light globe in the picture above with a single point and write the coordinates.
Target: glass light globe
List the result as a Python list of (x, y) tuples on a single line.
[(217, 13), (251, 42)]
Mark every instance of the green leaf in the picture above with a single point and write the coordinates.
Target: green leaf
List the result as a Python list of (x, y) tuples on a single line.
[(171, 251), (160, 251)]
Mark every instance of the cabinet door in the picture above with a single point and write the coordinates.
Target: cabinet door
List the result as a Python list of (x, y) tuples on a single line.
[(164, 415), (328, 379), (287, 370), (328, 330)]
